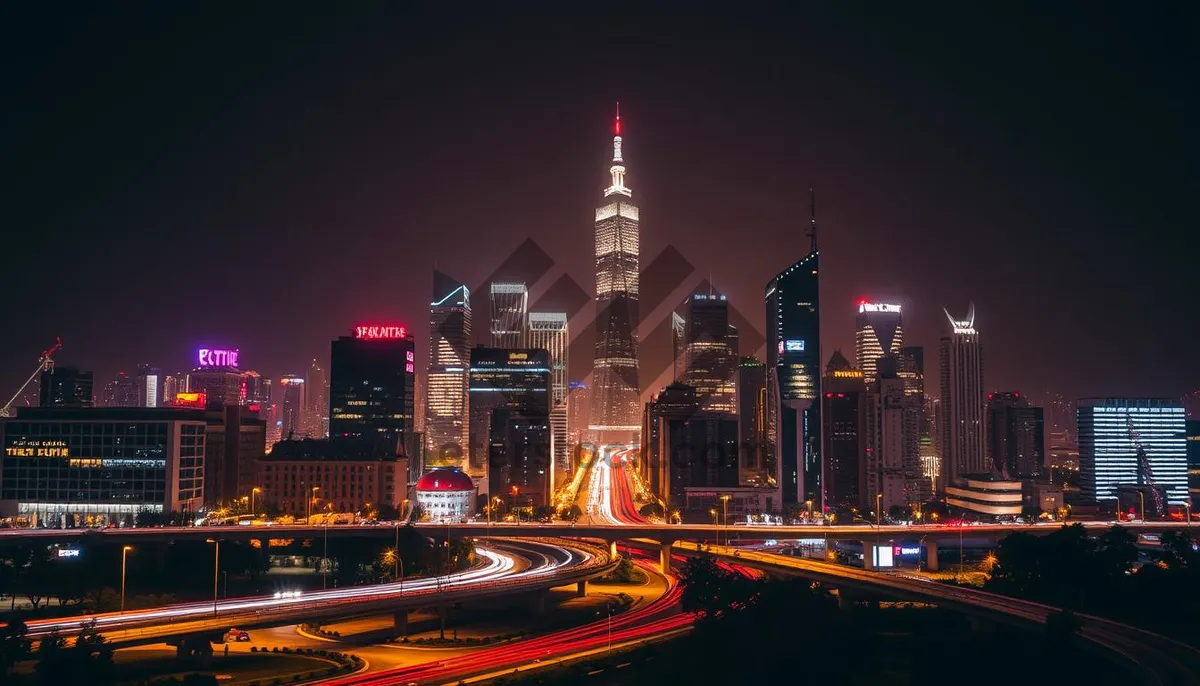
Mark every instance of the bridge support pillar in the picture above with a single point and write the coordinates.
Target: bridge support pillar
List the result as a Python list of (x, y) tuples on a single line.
[(612, 550), (195, 650), (581, 588), (400, 624), (931, 555), (868, 555), (664, 556)]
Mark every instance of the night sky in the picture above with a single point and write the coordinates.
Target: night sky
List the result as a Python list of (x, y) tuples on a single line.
[(182, 174)]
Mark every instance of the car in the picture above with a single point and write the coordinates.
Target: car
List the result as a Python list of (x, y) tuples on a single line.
[(237, 635)]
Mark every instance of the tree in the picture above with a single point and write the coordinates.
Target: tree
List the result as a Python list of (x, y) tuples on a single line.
[(1176, 552), (571, 514), (52, 664), (417, 512), (148, 518), (899, 513), (1062, 625), (1117, 552), (543, 513), (1031, 512), (14, 644), (710, 590), (388, 513), (651, 510)]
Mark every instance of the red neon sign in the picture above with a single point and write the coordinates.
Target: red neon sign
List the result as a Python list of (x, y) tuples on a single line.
[(380, 332)]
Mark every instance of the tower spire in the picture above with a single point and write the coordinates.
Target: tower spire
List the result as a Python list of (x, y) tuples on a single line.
[(812, 230), (618, 165)]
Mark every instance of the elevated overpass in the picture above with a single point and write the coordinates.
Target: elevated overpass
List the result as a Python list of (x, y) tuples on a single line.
[(508, 567)]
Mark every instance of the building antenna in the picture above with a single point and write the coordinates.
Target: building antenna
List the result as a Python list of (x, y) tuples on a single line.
[(812, 206)]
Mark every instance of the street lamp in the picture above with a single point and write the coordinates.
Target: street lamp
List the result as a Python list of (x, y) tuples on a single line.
[(725, 515), (325, 554), (312, 496), (216, 568), (878, 499), (124, 551), (1142, 503), (253, 491)]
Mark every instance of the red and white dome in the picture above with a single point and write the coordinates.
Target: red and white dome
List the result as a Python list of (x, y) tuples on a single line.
[(445, 479)]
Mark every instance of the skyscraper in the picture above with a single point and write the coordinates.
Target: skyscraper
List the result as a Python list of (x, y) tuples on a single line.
[(513, 387), (615, 391), (710, 353), (293, 404), (510, 303), (149, 388), (877, 332), (120, 392), (316, 401), (794, 374), (1110, 431), (371, 387), (884, 473), (66, 387), (548, 331), (909, 366), (447, 422), (753, 439), (845, 407), (1015, 436), (961, 419)]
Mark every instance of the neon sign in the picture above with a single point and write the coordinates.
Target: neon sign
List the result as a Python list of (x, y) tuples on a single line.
[(877, 307), (794, 345), (380, 332), (218, 357), (191, 399)]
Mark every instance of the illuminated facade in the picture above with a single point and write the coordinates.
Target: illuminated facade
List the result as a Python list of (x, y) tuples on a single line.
[(988, 496), (794, 376), (120, 392), (371, 378), (510, 305), (753, 438), (507, 379), (149, 386), (961, 418), (292, 407), (877, 332), (316, 401), (446, 495), (447, 425), (615, 400), (548, 331), (317, 476), (1193, 458), (1110, 429), (221, 385), (710, 350), (910, 368), (62, 466), (845, 408)]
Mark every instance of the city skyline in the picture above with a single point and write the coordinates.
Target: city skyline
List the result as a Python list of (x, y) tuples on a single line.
[(693, 205)]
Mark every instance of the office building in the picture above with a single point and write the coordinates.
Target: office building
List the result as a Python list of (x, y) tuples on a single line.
[(518, 380), (218, 377), (909, 365), (120, 392), (371, 388), (235, 438), (754, 444), (673, 405), (961, 418), (892, 450), (845, 407), (316, 400), (548, 331), (615, 401), (877, 332), (1193, 458), (510, 305), (578, 402), (703, 456), (520, 467), (173, 385), (447, 430), (65, 387), (292, 407), (794, 375), (710, 353), (149, 386), (316, 476), (1016, 436), (258, 389), (986, 495), (93, 466), (1111, 431)]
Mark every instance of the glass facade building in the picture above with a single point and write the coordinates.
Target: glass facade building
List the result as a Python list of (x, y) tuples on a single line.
[(371, 388), (447, 430), (1110, 431), (65, 467)]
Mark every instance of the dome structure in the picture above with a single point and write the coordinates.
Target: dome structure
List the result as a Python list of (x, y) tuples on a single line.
[(445, 479), (446, 494)]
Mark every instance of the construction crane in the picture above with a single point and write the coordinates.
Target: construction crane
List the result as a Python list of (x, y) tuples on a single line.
[(1144, 467), (45, 363)]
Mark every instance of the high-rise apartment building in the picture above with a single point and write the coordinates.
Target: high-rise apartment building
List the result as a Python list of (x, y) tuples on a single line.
[(672, 407), (1110, 432), (447, 430), (66, 387), (793, 300), (510, 307), (961, 416), (1193, 459), (149, 386), (616, 395), (910, 368), (316, 400), (877, 332), (120, 392), (845, 407), (578, 402), (292, 407), (885, 479), (1015, 436), (548, 331), (710, 353), (753, 437), (371, 390)]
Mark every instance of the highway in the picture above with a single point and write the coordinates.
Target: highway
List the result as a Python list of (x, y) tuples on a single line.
[(1160, 660), (506, 567)]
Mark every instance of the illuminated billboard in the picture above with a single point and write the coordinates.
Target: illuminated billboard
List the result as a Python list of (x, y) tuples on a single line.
[(380, 332), (217, 357), (877, 307), (794, 345), (191, 399)]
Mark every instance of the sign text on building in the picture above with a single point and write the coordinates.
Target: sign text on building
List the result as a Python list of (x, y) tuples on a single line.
[(377, 332), (217, 357), (878, 307)]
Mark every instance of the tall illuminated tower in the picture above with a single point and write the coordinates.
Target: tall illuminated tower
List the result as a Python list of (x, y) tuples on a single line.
[(877, 332), (447, 418), (548, 331), (962, 401), (615, 411), (510, 306), (293, 406), (316, 411), (794, 375)]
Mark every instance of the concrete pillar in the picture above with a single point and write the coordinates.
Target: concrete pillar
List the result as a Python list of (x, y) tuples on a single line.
[(664, 557), (931, 556), (581, 588), (400, 624), (868, 555), (612, 550)]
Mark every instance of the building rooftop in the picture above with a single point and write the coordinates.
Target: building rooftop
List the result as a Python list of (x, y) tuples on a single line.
[(109, 414), (445, 479), (323, 449)]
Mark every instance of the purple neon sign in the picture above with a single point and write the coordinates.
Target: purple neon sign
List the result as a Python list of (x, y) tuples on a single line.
[(218, 357)]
